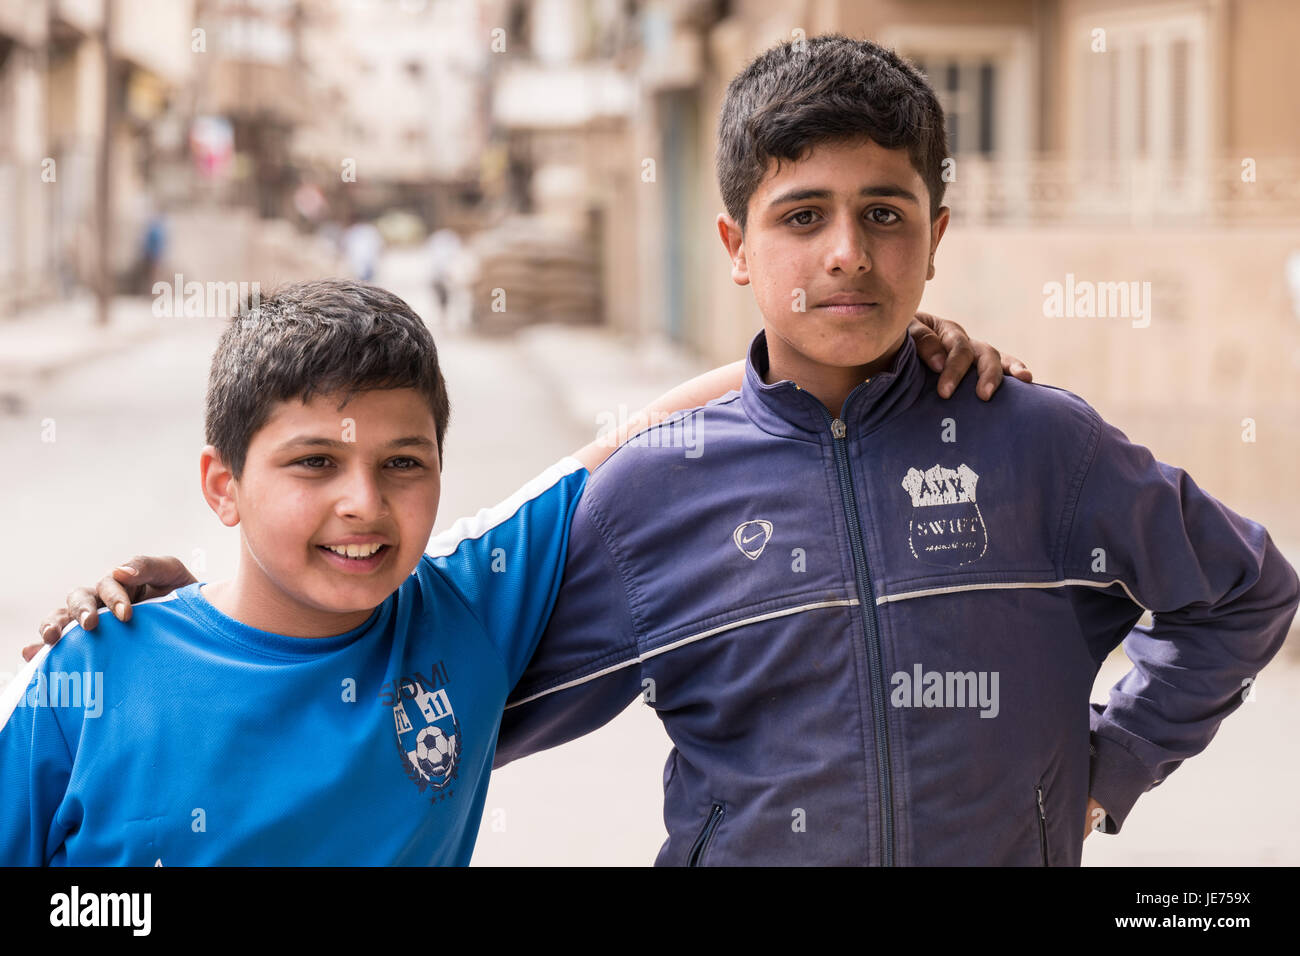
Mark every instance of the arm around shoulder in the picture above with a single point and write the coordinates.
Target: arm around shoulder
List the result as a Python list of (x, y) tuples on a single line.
[(690, 394)]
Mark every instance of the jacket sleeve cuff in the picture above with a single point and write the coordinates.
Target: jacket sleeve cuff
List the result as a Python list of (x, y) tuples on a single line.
[(1117, 779)]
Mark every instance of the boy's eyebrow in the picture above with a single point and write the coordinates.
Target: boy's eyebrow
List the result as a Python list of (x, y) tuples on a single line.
[(418, 440), (885, 190)]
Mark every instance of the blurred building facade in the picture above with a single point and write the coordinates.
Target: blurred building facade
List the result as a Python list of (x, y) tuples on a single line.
[(53, 86), (399, 89), (251, 127), (23, 30)]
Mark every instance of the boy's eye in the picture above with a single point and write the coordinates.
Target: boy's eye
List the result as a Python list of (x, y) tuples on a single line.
[(793, 217), (317, 462)]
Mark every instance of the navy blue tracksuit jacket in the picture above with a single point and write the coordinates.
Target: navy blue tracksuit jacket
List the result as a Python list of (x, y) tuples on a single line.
[(872, 639)]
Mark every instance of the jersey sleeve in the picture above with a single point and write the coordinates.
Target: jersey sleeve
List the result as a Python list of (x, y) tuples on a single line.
[(35, 767), (585, 670), (507, 561), (1221, 596)]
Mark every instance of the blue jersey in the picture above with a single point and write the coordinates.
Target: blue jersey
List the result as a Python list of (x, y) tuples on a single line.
[(186, 737)]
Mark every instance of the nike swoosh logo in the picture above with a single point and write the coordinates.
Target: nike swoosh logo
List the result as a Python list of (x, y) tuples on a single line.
[(752, 537)]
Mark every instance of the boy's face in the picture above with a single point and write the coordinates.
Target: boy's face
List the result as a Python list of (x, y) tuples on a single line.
[(838, 247), (316, 476)]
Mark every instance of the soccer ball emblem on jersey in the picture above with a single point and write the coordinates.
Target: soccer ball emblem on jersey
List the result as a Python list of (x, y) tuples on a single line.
[(435, 752), (428, 734)]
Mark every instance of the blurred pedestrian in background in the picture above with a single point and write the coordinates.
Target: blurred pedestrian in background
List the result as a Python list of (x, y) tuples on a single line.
[(362, 245)]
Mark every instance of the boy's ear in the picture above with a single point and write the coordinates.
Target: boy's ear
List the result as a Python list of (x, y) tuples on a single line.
[(937, 229), (734, 241), (217, 481)]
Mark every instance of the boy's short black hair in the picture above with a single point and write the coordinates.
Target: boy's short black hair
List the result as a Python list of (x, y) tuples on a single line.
[(317, 337), (826, 88)]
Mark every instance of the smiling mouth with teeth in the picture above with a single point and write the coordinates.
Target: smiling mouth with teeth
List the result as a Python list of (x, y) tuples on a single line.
[(355, 550)]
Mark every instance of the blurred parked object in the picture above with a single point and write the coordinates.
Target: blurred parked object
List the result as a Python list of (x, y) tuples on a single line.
[(400, 227), (532, 272)]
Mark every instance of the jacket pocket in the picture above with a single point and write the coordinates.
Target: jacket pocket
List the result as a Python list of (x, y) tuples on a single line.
[(1042, 824), (716, 812)]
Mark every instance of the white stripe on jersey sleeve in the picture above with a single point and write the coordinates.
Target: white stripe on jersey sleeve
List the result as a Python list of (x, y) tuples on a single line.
[(441, 545)]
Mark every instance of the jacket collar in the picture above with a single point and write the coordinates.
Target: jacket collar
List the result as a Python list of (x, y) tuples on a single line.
[(787, 411)]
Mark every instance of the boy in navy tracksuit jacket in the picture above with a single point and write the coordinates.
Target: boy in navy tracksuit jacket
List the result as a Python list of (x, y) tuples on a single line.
[(871, 619)]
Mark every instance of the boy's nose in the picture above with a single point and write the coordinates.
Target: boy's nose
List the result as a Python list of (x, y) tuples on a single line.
[(361, 498), (848, 252)]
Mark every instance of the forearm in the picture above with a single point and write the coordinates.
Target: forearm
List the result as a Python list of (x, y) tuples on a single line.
[(542, 720), (1194, 667), (690, 394), (1221, 595)]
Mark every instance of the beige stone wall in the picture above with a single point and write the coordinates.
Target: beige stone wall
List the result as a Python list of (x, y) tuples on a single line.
[(1262, 77), (1223, 344)]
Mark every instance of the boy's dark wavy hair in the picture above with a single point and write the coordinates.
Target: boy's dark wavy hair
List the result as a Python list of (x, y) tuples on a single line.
[(317, 337), (827, 88)]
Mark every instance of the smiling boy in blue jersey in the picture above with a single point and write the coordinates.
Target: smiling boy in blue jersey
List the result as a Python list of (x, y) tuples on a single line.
[(344, 675), (352, 672)]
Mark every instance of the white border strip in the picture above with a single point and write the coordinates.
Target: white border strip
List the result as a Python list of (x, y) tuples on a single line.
[(1068, 582), (851, 602), (441, 545)]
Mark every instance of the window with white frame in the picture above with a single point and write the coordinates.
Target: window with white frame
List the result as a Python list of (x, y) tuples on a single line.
[(1142, 110), (967, 88), (983, 77)]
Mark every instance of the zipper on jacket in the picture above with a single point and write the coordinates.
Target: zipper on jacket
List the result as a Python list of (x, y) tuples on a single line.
[(706, 835), (1042, 823), (871, 633)]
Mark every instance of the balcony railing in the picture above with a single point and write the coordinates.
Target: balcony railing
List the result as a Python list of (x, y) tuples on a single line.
[(1137, 192)]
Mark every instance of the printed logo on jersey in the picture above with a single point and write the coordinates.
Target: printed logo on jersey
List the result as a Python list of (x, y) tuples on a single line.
[(428, 733), (752, 537), (946, 526)]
